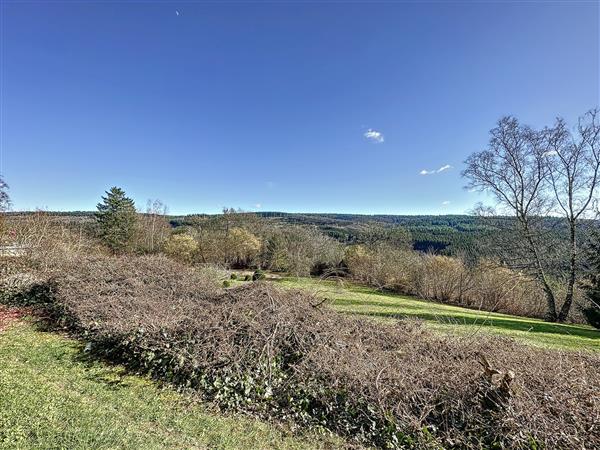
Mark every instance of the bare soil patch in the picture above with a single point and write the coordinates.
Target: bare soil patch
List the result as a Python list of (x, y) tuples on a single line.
[(9, 316)]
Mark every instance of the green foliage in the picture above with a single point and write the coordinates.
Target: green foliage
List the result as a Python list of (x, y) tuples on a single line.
[(226, 283), (258, 275), (116, 219), (592, 315), (247, 277), (182, 247), (233, 276)]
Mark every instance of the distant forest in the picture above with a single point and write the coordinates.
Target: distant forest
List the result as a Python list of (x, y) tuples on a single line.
[(449, 235)]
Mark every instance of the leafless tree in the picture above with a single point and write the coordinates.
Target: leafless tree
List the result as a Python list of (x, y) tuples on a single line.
[(4, 197), (533, 174), (153, 228), (574, 168)]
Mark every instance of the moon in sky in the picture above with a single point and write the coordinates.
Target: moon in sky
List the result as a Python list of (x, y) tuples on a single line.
[(176, 12)]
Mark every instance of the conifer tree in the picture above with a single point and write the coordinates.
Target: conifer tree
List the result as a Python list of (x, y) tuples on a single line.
[(592, 287), (116, 218)]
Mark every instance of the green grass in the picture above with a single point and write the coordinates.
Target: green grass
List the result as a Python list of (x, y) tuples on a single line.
[(53, 396), (354, 299)]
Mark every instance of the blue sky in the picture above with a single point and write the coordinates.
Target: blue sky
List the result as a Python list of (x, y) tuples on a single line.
[(278, 106)]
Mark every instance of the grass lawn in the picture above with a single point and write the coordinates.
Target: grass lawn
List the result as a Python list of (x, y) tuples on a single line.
[(350, 298), (53, 396)]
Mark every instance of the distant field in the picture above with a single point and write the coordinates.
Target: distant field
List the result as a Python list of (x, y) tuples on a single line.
[(350, 298), (53, 396)]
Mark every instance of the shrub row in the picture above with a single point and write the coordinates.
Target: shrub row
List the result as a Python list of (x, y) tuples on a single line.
[(280, 354), (484, 286)]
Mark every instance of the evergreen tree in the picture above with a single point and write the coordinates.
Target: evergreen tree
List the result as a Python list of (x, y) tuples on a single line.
[(592, 287), (116, 218)]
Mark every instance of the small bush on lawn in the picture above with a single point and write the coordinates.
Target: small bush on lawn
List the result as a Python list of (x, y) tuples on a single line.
[(233, 276), (226, 283), (276, 354), (592, 315), (258, 275)]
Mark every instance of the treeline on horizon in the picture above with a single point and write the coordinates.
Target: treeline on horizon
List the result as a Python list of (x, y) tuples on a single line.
[(449, 235)]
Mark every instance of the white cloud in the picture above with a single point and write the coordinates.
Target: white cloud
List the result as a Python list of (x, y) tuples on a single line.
[(550, 153), (258, 206), (374, 136), (446, 202), (440, 170), (176, 12)]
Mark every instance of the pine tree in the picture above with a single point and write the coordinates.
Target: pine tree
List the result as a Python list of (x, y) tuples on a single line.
[(116, 218), (592, 287)]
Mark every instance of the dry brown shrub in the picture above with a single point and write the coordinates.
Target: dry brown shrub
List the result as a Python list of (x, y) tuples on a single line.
[(382, 266), (281, 354), (504, 290), (487, 285)]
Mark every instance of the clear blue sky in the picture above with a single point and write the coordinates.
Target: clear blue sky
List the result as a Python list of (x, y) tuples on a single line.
[(278, 105)]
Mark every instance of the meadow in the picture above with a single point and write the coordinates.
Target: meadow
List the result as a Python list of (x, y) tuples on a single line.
[(351, 298), (55, 395)]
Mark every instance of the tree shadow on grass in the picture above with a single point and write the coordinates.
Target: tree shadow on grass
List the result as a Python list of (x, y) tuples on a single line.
[(497, 322)]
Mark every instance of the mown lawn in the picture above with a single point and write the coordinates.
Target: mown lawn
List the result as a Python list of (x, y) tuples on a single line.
[(350, 298), (53, 396)]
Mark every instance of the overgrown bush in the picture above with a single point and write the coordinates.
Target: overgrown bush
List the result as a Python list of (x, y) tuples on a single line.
[(486, 285), (592, 315), (276, 354), (298, 251), (181, 247), (258, 275), (382, 266)]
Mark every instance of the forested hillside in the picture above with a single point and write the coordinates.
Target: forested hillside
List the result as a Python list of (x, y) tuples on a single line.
[(446, 234)]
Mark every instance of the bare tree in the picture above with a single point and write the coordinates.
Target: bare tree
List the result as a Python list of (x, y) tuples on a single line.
[(4, 197), (155, 224), (533, 174), (514, 170), (4, 206), (574, 166)]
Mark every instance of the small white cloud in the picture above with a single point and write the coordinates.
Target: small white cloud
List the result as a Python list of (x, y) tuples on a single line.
[(550, 153), (440, 170), (176, 12), (258, 206), (374, 136), (446, 202)]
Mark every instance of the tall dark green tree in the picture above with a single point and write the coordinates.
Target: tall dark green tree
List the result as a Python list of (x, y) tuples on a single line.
[(592, 287), (116, 217)]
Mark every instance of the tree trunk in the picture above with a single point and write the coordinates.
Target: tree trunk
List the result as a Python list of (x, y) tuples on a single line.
[(566, 307), (550, 299)]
